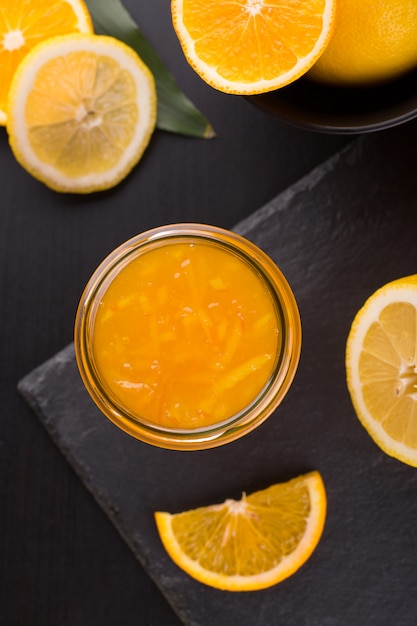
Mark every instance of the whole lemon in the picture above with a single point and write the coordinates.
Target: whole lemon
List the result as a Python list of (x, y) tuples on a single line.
[(372, 41)]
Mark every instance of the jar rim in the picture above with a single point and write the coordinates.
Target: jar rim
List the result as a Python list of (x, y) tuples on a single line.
[(260, 407)]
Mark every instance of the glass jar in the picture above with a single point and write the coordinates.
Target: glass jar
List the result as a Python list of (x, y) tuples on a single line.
[(251, 266)]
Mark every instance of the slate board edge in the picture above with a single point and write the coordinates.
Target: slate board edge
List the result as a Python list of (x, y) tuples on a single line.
[(307, 182)]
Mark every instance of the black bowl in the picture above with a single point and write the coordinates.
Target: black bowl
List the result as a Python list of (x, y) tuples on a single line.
[(343, 110)]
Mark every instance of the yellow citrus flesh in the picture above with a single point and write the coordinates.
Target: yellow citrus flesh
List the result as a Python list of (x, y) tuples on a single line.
[(81, 111), (25, 23), (381, 360), (252, 543), (252, 46), (371, 42)]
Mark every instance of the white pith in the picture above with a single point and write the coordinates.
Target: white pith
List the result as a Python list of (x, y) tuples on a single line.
[(254, 6), (13, 40)]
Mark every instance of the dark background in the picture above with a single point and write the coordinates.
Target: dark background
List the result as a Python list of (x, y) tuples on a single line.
[(61, 561)]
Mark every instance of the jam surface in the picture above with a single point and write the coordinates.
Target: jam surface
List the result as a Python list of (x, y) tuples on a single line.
[(186, 335)]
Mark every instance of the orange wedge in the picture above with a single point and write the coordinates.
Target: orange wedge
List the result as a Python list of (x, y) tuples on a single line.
[(25, 23), (252, 46), (252, 543)]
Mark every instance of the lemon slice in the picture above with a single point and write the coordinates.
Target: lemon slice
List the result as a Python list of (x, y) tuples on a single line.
[(381, 359), (81, 111), (25, 23), (252, 46), (252, 543)]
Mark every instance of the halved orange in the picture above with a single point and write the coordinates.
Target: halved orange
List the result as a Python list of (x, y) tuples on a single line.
[(252, 543), (25, 23), (252, 46)]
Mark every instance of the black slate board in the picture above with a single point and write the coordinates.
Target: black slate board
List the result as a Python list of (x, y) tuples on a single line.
[(338, 234)]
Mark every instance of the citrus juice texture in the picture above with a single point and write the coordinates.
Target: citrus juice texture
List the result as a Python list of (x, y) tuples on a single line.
[(186, 335)]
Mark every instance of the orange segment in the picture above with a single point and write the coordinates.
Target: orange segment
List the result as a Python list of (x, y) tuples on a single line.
[(252, 46), (252, 543), (25, 23)]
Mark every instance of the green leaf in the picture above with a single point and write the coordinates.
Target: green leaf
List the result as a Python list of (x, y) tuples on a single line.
[(176, 113)]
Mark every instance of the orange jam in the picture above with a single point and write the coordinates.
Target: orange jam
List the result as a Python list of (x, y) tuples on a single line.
[(186, 334)]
